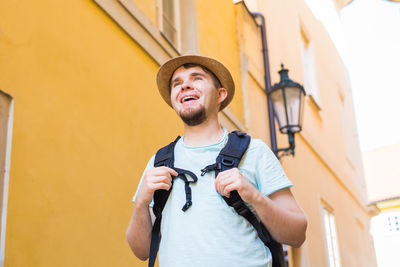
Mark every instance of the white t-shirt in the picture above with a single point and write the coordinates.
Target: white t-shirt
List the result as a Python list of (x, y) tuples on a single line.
[(210, 233)]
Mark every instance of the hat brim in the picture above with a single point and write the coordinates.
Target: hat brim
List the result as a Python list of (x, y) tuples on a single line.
[(220, 71)]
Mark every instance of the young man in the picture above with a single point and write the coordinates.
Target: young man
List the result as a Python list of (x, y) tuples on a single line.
[(210, 233)]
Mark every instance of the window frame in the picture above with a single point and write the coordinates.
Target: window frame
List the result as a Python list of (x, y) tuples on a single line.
[(6, 174), (330, 237), (175, 25), (309, 67)]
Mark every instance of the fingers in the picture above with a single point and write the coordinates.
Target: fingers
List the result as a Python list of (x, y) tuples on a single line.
[(171, 171), (227, 189), (231, 180), (155, 181), (157, 173), (227, 182), (159, 178), (163, 171), (159, 186)]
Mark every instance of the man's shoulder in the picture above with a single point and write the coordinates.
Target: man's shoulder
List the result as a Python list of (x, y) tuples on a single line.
[(258, 145), (258, 150)]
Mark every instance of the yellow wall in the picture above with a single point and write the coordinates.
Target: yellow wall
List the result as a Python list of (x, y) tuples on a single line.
[(87, 117), (85, 107), (217, 37), (149, 8), (252, 74)]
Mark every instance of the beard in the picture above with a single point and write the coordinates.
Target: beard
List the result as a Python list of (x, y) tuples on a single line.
[(193, 117)]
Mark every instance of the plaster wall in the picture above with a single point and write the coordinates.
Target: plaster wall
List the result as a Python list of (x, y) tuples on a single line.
[(85, 106)]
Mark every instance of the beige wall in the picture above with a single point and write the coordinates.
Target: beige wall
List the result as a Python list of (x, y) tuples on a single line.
[(327, 168), (382, 172)]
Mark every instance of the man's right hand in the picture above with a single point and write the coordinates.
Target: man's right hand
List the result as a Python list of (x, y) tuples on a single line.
[(154, 179), (138, 233)]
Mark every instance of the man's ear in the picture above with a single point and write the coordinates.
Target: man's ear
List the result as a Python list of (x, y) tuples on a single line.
[(222, 94)]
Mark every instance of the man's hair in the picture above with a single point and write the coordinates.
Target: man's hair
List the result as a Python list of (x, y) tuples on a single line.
[(214, 78)]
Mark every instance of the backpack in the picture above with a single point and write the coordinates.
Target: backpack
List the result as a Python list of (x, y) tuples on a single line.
[(228, 158)]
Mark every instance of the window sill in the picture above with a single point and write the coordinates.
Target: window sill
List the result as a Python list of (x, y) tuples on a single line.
[(314, 106), (314, 102)]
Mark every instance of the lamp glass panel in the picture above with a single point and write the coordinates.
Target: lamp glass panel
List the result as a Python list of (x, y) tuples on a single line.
[(279, 107), (293, 100), (301, 100)]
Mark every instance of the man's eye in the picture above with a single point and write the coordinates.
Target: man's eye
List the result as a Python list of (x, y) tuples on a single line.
[(176, 84), (197, 78)]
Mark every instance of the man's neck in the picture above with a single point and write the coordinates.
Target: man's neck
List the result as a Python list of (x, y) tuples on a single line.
[(207, 133)]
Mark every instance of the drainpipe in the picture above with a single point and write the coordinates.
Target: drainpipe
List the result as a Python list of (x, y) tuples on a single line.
[(267, 78)]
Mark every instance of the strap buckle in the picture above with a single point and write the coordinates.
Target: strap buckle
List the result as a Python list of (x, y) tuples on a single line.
[(187, 205), (212, 167), (228, 162)]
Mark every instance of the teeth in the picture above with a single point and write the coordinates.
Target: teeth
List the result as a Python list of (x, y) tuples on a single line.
[(188, 98)]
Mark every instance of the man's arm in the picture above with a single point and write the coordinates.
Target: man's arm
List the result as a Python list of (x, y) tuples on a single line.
[(283, 217), (138, 233), (279, 212)]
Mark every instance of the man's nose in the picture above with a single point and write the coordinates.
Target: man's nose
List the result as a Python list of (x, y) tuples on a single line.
[(187, 84)]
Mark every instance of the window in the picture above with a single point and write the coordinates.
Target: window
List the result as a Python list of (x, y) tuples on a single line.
[(168, 21), (310, 77), (393, 223), (349, 130), (331, 238), (165, 40)]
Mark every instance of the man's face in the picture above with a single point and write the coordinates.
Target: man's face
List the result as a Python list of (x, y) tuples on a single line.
[(194, 96)]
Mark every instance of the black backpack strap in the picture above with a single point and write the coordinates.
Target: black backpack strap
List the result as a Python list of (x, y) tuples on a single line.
[(230, 157), (165, 157)]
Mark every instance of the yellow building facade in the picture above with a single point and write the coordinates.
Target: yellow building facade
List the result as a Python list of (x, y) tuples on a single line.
[(80, 116)]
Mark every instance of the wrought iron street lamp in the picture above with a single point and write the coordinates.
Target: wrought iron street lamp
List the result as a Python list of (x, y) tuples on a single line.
[(287, 99)]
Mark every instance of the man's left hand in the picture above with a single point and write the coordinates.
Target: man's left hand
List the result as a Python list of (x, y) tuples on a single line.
[(232, 179)]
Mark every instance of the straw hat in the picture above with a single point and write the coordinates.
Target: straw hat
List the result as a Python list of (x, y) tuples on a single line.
[(166, 71)]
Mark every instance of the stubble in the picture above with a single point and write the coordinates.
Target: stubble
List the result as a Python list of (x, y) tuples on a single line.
[(195, 117)]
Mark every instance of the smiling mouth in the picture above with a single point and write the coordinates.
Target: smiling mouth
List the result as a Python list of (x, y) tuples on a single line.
[(188, 99)]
